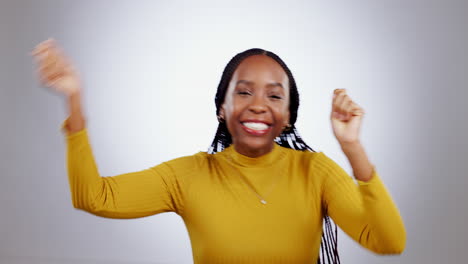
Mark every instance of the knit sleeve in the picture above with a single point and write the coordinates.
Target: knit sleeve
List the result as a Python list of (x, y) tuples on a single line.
[(365, 211), (130, 195)]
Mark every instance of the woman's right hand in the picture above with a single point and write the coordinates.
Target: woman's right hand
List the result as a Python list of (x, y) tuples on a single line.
[(55, 70)]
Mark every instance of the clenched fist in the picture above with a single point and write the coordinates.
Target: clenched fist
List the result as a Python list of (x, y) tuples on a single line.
[(346, 117), (55, 70)]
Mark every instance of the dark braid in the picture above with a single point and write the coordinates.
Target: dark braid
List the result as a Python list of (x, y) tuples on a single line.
[(289, 138)]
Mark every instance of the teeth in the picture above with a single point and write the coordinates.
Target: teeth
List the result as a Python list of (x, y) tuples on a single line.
[(255, 126)]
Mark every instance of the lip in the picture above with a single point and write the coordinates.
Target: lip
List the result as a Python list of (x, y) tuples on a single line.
[(256, 121), (256, 132)]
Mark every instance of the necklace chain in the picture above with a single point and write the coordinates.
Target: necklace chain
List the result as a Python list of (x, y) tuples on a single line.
[(262, 200)]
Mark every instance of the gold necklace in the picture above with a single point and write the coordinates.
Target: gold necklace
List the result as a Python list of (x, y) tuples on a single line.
[(262, 200)]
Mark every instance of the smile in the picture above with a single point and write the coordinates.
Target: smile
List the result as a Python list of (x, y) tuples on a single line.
[(256, 129)]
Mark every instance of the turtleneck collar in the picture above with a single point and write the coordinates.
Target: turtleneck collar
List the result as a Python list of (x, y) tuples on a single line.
[(268, 159)]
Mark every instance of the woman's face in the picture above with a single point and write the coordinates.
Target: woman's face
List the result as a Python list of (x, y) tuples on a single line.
[(256, 106)]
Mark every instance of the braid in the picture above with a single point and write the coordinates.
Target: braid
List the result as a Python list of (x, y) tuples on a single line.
[(289, 138)]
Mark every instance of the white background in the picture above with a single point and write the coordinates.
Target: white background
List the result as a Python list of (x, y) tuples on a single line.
[(151, 69)]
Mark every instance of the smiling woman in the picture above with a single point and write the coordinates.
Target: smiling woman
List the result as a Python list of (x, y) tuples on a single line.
[(256, 105), (255, 98), (262, 78), (260, 194)]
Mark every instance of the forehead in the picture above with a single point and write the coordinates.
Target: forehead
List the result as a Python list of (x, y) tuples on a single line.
[(260, 68)]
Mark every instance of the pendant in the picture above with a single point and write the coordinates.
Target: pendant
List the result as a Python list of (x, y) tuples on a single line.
[(263, 201)]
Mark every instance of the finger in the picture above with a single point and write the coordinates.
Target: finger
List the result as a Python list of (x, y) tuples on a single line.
[(354, 109), (338, 99), (47, 65), (51, 65), (53, 62), (43, 46), (54, 78), (49, 53), (345, 103), (357, 111), (39, 49), (335, 115), (337, 91), (345, 107), (46, 77), (51, 75), (49, 70)]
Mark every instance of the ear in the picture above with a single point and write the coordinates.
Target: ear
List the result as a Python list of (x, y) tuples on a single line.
[(221, 111), (288, 118)]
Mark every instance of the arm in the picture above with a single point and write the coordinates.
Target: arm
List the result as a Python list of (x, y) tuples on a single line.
[(76, 120), (365, 211), (130, 195), (359, 161)]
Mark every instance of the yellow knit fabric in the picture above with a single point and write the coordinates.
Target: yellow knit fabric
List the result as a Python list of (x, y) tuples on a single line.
[(225, 219)]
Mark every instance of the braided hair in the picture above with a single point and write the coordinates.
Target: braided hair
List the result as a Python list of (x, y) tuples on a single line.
[(288, 138)]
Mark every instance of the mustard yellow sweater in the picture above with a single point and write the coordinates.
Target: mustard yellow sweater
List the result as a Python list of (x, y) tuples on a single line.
[(225, 219)]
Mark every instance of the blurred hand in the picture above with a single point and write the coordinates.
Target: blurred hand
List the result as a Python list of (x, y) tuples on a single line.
[(55, 70), (346, 117)]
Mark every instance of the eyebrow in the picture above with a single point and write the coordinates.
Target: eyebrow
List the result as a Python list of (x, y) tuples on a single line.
[(250, 83)]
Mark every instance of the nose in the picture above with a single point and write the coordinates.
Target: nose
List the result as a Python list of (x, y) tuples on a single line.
[(258, 104)]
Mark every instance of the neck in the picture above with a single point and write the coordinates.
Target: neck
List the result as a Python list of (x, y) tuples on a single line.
[(251, 152)]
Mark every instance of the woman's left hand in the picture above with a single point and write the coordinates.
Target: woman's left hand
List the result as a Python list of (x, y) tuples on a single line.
[(346, 118)]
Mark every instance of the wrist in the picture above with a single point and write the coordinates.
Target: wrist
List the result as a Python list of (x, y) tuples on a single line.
[(349, 147), (75, 104), (74, 91)]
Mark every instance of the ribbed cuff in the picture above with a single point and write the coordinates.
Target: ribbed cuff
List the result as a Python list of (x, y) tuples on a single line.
[(373, 179), (64, 130), (373, 189)]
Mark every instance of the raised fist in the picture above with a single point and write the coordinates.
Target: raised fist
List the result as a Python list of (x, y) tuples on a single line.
[(55, 70)]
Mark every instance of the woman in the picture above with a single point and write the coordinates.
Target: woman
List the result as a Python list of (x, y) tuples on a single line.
[(260, 194)]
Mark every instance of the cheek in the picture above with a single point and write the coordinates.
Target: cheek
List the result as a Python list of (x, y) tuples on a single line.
[(232, 118), (282, 112), (235, 108)]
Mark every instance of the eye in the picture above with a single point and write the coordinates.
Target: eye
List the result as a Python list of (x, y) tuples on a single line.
[(243, 93), (276, 97)]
